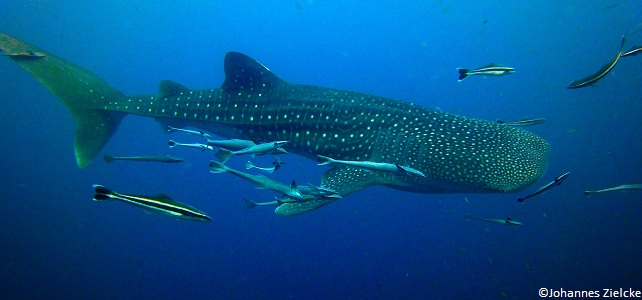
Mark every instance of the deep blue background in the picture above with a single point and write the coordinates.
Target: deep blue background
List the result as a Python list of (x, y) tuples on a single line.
[(378, 243)]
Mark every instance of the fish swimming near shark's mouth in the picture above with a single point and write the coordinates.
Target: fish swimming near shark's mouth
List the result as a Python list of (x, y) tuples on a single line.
[(457, 154)]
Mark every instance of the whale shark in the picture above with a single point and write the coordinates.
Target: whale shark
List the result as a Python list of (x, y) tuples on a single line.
[(457, 154)]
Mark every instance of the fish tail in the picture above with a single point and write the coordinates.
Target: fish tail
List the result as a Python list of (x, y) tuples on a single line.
[(521, 199), (223, 154), (82, 92), (171, 143), (324, 160), (102, 193), (108, 158), (249, 203), (463, 73), (216, 167), (588, 193), (249, 165)]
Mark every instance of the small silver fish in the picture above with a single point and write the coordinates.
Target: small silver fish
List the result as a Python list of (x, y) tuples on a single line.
[(198, 132), (489, 70), (202, 147), (260, 149), (507, 221), (231, 144), (593, 78), (262, 182), (144, 158), (160, 203), (276, 164), (633, 51), (557, 181), (623, 187), (373, 166), (523, 122)]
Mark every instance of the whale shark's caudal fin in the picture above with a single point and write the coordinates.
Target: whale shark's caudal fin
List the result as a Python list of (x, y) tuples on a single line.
[(84, 94)]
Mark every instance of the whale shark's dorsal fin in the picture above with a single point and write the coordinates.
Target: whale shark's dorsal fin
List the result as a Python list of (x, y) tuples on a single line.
[(245, 73), (169, 88)]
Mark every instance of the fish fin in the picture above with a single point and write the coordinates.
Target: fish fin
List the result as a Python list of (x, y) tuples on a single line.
[(169, 88), (344, 181), (102, 193), (324, 160), (108, 158), (293, 186), (163, 197), (82, 92), (217, 167), (463, 74), (245, 73), (223, 154), (249, 203)]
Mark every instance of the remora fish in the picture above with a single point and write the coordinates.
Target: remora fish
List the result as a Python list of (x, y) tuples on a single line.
[(507, 221), (232, 144), (557, 181), (260, 149), (279, 201), (276, 164), (251, 204), (372, 166), (262, 182), (635, 50), (624, 187), (457, 154), (489, 70), (201, 147), (589, 80), (319, 191), (25, 54), (160, 203), (145, 158), (524, 122), (200, 133)]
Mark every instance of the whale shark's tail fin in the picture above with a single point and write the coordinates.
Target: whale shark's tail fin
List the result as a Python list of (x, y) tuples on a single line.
[(84, 94)]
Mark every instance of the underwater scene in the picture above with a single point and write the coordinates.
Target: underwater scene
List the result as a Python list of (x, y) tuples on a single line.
[(308, 149)]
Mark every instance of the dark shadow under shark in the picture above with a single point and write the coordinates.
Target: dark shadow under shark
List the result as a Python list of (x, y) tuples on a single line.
[(457, 154)]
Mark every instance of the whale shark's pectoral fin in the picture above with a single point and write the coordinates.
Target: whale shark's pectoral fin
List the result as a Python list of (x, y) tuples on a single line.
[(344, 181)]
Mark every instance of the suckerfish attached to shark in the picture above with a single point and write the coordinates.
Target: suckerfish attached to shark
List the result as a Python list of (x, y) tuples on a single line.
[(262, 182), (457, 154), (200, 133), (259, 149), (199, 146), (372, 166), (232, 144)]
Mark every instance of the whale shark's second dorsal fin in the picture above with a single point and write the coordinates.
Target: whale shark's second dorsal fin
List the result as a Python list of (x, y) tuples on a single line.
[(169, 88), (245, 73)]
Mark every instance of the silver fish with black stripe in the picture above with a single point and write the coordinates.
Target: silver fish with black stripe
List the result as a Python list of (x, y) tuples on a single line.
[(160, 203)]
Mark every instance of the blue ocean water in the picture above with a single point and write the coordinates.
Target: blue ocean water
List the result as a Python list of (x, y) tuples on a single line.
[(376, 244)]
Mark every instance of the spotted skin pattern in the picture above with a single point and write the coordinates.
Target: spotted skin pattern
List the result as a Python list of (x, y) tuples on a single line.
[(457, 154)]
